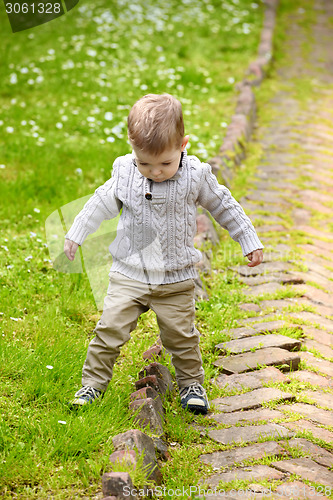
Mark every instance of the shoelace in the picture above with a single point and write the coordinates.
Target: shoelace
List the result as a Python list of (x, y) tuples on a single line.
[(88, 391), (194, 388)]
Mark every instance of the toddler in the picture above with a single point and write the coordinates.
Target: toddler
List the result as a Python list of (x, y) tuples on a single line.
[(157, 188)]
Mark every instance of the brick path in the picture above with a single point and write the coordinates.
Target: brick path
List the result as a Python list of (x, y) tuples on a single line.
[(292, 197)]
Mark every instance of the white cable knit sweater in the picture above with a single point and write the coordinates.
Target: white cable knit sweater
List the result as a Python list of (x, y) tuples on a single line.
[(154, 242)]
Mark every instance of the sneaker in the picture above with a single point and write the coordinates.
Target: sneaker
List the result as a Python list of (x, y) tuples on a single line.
[(86, 395), (194, 398)]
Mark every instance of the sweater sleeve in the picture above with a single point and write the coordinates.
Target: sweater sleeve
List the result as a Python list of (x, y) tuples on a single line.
[(218, 200), (103, 205)]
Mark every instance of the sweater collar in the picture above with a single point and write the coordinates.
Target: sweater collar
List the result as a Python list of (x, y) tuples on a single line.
[(178, 174)]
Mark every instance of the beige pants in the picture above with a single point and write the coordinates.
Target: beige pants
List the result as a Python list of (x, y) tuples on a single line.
[(126, 300)]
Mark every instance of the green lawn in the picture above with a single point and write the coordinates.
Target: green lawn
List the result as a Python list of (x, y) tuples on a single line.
[(65, 91)]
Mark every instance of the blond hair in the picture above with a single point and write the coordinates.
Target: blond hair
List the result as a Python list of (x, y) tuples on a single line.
[(155, 123)]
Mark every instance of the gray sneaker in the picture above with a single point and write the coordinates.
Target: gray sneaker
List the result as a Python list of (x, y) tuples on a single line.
[(86, 395), (194, 398)]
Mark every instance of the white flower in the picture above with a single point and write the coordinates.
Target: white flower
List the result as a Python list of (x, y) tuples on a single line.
[(23, 122), (78, 171), (13, 78), (110, 139), (104, 98), (91, 52), (24, 70), (49, 367), (39, 79), (4, 247), (59, 125), (51, 52), (37, 210), (1, 122), (91, 119), (108, 116), (28, 258), (63, 422), (231, 79), (2, 166), (31, 81), (224, 124), (32, 234), (10, 266), (10, 130), (16, 319)]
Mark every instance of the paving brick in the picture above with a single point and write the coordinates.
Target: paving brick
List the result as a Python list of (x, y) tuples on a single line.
[(153, 352), (305, 425), (275, 356), (296, 490), (312, 378), (149, 392), (277, 305), (318, 268), (323, 399), (260, 414), (307, 469), (276, 228), (264, 268), (250, 307), (266, 288), (252, 380), (314, 294), (259, 342), (282, 278), (161, 372), (324, 350), (321, 252), (237, 455), (324, 367), (317, 415), (249, 433), (320, 336), (242, 332), (314, 318), (256, 319), (317, 233), (127, 456), (117, 484), (250, 400), (147, 414), (258, 472), (136, 440), (320, 280), (317, 453)]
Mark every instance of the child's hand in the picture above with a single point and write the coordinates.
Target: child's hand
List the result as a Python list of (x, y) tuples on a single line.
[(70, 248), (255, 257)]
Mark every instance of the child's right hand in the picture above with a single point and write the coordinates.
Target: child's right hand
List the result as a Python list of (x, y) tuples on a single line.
[(70, 248)]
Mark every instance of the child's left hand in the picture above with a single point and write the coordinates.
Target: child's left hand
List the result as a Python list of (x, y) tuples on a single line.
[(255, 257)]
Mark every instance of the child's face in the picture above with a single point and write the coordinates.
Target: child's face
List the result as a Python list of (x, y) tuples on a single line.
[(161, 167)]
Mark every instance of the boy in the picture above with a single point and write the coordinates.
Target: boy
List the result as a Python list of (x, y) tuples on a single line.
[(157, 187)]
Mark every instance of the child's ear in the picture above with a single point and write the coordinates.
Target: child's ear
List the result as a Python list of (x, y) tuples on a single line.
[(185, 142)]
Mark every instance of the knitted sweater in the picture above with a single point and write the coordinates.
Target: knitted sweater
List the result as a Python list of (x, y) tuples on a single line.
[(157, 225)]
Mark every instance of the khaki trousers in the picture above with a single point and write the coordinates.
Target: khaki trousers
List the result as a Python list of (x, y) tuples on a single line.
[(126, 300)]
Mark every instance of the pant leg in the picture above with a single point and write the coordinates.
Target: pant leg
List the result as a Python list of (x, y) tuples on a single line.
[(126, 300), (174, 306)]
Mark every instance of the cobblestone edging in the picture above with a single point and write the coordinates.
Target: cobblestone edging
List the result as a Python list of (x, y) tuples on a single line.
[(155, 381), (238, 133)]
